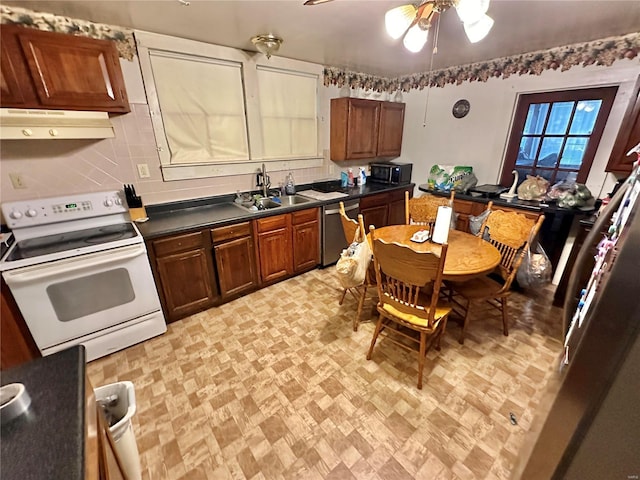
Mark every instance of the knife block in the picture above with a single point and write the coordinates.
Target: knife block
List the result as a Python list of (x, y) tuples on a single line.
[(137, 213)]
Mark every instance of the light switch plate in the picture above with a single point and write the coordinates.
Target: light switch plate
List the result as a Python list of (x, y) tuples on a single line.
[(143, 170)]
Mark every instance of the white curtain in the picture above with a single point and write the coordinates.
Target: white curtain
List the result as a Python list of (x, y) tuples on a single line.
[(202, 105), (288, 110)]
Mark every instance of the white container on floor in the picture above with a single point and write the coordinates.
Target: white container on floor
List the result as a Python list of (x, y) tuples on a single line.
[(120, 399)]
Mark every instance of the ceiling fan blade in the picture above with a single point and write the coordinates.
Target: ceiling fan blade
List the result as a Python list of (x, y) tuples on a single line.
[(316, 2)]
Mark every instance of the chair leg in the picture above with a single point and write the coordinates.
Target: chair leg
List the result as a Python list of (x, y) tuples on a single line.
[(363, 294), (375, 336), (505, 318), (421, 358), (444, 328), (465, 322), (344, 294)]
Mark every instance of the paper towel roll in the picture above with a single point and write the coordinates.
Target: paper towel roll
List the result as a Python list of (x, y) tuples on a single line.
[(441, 228)]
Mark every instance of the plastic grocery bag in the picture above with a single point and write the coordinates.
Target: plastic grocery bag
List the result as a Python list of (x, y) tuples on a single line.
[(535, 269), (353, 264)]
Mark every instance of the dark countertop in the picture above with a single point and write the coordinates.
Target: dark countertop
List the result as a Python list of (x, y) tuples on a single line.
[(48, 440), (176, 217), (516, 203)]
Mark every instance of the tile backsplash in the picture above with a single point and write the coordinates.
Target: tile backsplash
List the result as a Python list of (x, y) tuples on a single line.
[(60, 167)]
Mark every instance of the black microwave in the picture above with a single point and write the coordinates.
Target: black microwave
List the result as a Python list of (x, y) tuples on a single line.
[(393, 173)]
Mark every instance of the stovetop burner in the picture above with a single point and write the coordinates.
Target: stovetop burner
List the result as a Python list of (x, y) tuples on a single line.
[(35, 247)]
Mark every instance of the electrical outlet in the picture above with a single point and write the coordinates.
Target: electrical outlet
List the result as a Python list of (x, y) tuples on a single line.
[(143, 170), (17, 180)]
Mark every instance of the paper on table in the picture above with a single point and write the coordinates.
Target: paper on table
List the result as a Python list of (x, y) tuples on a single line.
[(443, 222)]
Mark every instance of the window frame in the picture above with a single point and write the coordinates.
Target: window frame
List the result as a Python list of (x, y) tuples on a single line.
[(250, 61), (606, 94)]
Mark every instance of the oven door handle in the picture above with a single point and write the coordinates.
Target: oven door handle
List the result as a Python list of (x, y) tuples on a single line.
[(38, 272)]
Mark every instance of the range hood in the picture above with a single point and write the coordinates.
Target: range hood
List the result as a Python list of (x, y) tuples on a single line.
[(27, 124)]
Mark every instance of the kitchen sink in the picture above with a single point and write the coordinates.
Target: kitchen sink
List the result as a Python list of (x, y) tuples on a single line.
[(288, 200), (267, 203)]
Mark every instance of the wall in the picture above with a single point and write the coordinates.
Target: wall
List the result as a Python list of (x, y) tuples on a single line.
[(60, 167), (57, 167), (480, 138)]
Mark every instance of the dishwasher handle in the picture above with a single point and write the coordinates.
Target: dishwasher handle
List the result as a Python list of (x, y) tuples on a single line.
[(350, 208)]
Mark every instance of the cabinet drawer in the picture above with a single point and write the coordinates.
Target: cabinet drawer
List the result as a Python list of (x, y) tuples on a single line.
[(396, 195), (232, 231), (463, 206), (177, 244), (374, 200), (271, 223), (304, 216)]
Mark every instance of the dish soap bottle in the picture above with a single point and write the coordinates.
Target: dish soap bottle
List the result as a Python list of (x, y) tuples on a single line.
[(290, 185)]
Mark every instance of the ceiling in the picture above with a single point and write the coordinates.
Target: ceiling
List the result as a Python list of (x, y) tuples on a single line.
[(350, 33)]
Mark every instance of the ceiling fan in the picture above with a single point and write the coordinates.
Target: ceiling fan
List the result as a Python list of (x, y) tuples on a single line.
[(414, 20)]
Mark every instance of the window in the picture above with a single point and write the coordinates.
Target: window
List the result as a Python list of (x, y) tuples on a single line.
[(219, 111), (556, 134)]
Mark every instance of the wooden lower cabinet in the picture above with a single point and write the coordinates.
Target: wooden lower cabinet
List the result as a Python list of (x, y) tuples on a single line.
[(184, 268), (465, 209), (235, 259), (306, 240), (396, 208), (375, 210), (274, 248), (288, 244), (384, 208)]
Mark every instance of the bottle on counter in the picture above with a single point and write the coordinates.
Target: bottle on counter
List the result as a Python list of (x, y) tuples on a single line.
[(362, 176), (290, 185), (350, 180)]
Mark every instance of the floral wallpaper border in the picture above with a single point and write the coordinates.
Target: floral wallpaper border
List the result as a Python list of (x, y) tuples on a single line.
[(598, 52), (49, 22)]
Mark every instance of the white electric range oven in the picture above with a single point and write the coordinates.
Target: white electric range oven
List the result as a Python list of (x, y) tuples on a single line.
[(79, 272)]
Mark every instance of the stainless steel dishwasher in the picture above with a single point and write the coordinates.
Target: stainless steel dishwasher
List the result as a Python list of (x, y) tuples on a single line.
[(333, 241)]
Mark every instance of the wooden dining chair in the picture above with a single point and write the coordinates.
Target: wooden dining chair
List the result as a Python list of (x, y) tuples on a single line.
[(510, 233), (423, 210), (355, 231), (402, 275)]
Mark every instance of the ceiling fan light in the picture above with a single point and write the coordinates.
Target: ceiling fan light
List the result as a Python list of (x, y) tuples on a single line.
[(398, 19), (476, 31), (471, 11), (415, 39)]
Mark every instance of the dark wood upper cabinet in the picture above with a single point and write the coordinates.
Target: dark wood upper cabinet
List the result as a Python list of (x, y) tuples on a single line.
[(362, 129), (390, 131), (57, 71), (628, 137)]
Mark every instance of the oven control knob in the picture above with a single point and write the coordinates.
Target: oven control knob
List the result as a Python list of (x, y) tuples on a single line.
[(16, 215), (118, 201), (108, 202), (32, 213)]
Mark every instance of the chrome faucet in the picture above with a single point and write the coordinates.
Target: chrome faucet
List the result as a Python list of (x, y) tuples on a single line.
[(263, 181)]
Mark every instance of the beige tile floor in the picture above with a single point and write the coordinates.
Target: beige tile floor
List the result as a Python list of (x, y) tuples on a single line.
[(276, 385)]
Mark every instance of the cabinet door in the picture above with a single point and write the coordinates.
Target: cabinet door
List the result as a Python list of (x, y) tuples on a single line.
[(236, 265), (74, 72), (306, 246), (391, 127), (16, 87), (276, 259), (362, 129), (628, 137), (376, 216), (396, 208), (187, 282)]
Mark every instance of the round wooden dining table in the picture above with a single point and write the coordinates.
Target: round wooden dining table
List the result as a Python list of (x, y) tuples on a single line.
[(468, 256)]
